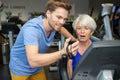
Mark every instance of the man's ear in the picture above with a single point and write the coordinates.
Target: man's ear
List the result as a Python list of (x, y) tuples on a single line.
[(48, 13)]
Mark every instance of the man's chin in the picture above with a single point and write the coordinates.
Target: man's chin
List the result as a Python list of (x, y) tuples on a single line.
[(57, 29)]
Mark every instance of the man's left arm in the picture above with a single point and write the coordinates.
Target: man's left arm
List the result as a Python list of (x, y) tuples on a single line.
[(66, 33)]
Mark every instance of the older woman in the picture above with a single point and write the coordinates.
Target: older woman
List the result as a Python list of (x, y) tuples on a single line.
[(84, 26)]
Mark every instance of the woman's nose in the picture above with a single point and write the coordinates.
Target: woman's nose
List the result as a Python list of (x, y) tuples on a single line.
[(82, 30)]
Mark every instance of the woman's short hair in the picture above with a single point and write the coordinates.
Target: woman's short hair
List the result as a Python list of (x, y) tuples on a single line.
[(85, 20)]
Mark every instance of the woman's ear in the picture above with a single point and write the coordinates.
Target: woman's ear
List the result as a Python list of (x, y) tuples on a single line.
[(91, 33)]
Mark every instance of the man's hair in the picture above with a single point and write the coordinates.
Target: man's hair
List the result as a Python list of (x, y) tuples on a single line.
[(53, 4)]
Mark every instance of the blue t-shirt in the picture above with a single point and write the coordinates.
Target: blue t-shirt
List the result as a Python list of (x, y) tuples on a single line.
[(77, 58), (32, 33)]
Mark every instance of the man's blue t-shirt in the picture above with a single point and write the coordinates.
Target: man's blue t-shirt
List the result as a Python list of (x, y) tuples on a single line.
[(32, 33)]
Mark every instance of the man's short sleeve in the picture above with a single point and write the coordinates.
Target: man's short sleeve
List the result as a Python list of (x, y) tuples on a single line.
[(30, 36)]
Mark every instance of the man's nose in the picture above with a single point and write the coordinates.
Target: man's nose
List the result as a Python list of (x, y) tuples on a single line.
[(62, 21)]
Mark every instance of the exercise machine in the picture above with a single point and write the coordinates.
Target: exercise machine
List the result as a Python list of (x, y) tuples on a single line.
[(106, 11), (101, 60), (9, 33)]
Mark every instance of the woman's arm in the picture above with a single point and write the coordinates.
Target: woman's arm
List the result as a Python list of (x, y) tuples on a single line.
[(69, 68)]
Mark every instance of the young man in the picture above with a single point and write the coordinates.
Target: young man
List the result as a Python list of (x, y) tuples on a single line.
[(28, 55)]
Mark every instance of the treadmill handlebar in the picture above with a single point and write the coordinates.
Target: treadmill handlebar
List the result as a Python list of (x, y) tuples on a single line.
[(106, 8), (63, 67)]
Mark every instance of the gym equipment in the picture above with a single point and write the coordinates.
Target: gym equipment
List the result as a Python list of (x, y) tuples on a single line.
[(63, 68), (99, 62), (101, 59), (9, 32), (106, 10), (56, 43)]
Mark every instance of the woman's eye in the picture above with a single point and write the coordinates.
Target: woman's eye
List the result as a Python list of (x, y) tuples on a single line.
[(79, 28), (86, 28)]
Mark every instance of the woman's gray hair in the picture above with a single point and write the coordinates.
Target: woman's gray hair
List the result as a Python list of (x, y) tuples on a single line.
[(84, 20)]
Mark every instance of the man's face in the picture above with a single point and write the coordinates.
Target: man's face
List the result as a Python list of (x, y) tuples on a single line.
[(57, 18)]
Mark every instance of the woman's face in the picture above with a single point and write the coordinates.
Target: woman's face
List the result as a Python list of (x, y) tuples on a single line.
[(83, 33), (57, 18)]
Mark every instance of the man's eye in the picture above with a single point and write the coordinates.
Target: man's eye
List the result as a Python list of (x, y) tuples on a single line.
[(59, 17), (65, 19)]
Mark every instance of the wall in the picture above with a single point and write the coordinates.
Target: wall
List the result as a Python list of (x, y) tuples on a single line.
[(82, 6), (24, 7)]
